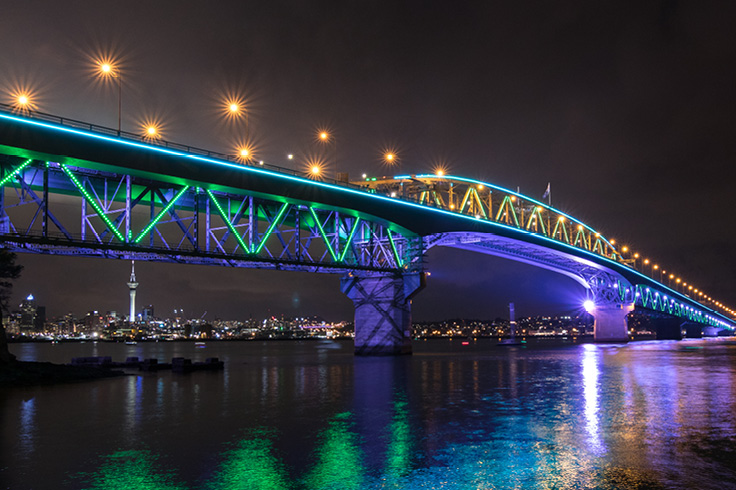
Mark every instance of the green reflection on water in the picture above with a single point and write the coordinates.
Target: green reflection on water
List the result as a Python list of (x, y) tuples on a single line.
[(398, 453), (338, 457), (132, 470), (251, 465)]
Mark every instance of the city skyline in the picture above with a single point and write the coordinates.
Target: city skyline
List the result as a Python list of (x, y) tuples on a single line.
[(625, 112)]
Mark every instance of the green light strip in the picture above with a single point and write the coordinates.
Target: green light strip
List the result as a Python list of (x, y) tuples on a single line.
[(227, 222), (160, 215), (465, 200), (538, 214), (92, 202), (15, 172), (350, 239), (324, 236), (271, 227), (480, 203), (393, 246)]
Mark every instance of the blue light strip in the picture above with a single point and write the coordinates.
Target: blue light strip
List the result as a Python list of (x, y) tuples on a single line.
[(362, 193)]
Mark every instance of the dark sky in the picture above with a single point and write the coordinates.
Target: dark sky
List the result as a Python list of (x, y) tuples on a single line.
[(627, 108)]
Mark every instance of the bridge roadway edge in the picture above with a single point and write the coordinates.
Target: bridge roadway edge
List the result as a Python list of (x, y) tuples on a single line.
[(55, 143)]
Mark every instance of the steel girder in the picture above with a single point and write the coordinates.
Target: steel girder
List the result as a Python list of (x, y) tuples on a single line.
[(605, 286), (489, 202), (54, 208)]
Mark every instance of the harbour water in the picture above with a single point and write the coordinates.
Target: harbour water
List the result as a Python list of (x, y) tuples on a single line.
[(310, 415)]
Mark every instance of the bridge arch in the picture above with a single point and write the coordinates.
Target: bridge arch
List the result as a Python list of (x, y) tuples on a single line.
[(167, 202)]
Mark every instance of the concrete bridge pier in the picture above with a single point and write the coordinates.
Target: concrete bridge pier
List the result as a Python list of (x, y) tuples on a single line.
[(382, 311), (692, 330), (610, 322), (709, 331), (613, 299)]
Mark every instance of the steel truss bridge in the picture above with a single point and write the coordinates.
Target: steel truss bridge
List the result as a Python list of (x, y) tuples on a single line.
[(72, 188)]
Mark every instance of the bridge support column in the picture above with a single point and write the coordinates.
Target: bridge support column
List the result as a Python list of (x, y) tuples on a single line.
[(610, 322), (382, 311), (709, 331)]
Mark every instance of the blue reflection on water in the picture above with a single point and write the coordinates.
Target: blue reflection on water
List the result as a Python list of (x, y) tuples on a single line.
[(591, 371), (654, 415), (27, 426)]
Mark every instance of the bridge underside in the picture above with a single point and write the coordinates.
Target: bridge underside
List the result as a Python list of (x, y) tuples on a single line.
[(614, 296), (53, 208)]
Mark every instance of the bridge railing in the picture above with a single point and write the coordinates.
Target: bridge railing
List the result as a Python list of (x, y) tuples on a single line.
[(158, 142)]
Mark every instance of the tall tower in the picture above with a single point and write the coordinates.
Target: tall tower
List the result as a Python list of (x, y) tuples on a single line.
[(132, 284)]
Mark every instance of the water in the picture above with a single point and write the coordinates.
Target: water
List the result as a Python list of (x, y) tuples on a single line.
[(309, 415)]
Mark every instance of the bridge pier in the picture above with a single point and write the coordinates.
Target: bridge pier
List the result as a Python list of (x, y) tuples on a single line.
[(709, 331), (382, 311), (610, 322)]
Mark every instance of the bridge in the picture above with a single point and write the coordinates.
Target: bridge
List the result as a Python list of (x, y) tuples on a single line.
[(74, 188)]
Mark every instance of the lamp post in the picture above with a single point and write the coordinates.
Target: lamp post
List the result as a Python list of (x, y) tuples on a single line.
[(324, 137), (109, 70), (391, 159), (23, 103), (235, 108)]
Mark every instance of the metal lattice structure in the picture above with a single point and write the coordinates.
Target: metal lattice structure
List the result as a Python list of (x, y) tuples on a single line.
[(489, 202), (71, 188), (51, 207)]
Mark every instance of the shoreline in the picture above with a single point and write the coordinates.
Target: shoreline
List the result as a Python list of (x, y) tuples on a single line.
[(27, 373)]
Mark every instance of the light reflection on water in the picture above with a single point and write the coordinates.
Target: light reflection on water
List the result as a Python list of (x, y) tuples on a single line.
[(590, 393), (304, 416)]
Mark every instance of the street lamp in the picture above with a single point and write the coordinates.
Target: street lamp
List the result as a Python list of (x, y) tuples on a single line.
[(23, 103), (245, 153), (109, 70), (234, 107), (315, 167), (325, 137), (151, 131)]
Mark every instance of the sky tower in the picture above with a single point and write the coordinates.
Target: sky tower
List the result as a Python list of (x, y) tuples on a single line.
[(132, 284)]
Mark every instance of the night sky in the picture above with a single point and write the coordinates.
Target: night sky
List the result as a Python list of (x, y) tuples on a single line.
[(626, 108)]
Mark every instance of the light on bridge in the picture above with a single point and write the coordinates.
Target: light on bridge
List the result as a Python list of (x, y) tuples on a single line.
[(233, 107), (589, 305), (23, 100), (245, 153), (323, 136)]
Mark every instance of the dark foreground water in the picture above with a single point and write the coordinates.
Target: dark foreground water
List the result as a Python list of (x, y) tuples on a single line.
[(309, 415)]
